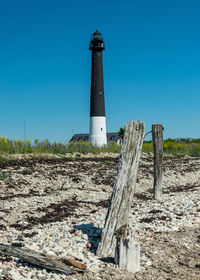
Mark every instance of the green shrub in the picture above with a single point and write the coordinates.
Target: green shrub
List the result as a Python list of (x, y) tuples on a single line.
[(147, 147)]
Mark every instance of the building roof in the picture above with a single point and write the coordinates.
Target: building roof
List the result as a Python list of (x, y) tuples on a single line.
[(111, 137)]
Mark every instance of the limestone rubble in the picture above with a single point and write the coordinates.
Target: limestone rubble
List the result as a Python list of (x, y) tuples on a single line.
[(57, 205)]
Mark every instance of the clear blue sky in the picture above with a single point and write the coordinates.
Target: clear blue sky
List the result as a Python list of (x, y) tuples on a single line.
[(151, 65)]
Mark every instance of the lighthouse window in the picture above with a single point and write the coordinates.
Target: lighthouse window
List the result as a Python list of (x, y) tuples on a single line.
[(101, 129)]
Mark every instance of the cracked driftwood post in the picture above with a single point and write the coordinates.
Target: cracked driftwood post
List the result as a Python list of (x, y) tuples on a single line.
[(127, 251), (117, 238), (157, 136)]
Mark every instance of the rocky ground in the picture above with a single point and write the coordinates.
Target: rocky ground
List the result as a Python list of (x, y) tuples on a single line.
[(58, 206)]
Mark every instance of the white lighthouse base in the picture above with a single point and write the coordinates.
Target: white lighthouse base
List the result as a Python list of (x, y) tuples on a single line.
[(98, 131)]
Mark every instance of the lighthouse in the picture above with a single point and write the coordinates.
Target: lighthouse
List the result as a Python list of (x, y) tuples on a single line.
[(97, 105)]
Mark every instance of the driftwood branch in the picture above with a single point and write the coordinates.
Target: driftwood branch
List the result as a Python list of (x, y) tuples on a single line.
[(64, 265)]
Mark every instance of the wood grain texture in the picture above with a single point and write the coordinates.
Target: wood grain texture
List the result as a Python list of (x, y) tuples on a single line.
[(127, 253), (122, 195), (64, 265), (157, 136)]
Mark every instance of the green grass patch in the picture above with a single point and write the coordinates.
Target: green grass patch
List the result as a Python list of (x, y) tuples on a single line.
[(71, 159), (174, 147), (3, 176), (107, 161), (24, 147)]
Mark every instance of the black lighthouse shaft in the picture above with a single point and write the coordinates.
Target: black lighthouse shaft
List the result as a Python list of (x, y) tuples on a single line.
[(97, 105)]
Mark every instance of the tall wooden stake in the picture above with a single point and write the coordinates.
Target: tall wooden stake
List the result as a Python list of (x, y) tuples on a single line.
[(117, 218), (157, 136)]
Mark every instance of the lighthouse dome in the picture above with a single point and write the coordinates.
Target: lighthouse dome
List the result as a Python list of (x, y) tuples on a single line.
[(97, 36), (96, 41)]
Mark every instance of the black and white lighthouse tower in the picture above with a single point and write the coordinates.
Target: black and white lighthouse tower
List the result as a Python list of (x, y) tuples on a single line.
[(97, 106)]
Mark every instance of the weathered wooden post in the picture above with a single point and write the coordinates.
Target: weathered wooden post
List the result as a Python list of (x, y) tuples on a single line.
[(117, 233), (127, 251), (157, 136)]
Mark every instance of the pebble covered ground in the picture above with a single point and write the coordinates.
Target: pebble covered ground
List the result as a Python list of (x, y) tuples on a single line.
[(57, 205)]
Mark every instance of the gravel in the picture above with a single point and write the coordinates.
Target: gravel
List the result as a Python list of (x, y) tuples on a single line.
[(58, 207)]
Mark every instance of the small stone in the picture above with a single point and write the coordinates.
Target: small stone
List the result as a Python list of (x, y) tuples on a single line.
[(34, 247), (85, 236), (143, 259), (44, 251), (77, 233), (148, 263), (89, 245), (5, 272), (15, 275)]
